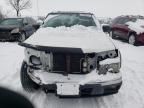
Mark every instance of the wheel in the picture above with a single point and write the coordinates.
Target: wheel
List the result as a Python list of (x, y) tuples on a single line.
[(132, 39), (27, 84), (112, 35), (22, 37)]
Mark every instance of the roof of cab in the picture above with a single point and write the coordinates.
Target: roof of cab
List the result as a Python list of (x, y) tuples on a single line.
[(70, 12)]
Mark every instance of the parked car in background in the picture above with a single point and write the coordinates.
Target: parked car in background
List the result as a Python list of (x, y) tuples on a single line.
[(72, 56), (104, 20), (130, 28), (17, 29), (39, 19)]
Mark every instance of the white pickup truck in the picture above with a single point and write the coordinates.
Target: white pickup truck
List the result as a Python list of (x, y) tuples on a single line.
[(72, 56)]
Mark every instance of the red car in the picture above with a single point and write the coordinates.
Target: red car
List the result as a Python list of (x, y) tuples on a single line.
[(130, 28)]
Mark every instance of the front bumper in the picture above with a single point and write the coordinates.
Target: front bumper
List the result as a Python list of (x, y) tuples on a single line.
[(77, 85), (87, 89), (8, 37)]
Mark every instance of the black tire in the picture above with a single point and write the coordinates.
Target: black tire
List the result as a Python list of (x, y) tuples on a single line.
[(22, 37), (27, 84), (132, 39), (112, 35)]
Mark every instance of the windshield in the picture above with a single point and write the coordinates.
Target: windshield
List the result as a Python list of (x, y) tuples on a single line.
[(13, 21), (68, 20)]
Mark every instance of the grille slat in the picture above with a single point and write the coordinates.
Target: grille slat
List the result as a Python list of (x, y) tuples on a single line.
[(60, 60)]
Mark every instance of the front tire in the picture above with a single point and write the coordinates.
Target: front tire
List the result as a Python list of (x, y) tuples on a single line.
[(27, 84), (132, 39), (22, 37), (112, 35)]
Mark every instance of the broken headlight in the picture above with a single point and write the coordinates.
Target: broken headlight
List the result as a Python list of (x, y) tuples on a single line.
[(113, 68), (35, 60), (109, 62)]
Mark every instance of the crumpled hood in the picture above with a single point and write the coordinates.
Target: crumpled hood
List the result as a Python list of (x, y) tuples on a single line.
[(88, 39)]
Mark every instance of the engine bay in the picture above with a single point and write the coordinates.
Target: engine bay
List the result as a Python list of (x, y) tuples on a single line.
[(68, 63)]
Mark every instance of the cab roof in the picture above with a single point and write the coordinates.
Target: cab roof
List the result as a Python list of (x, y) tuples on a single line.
[(71, 12)]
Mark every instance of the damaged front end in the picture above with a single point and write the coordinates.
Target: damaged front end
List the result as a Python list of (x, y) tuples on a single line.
[(70, 72)]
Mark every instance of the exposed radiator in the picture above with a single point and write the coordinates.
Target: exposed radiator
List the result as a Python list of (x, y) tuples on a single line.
[(70, 63)]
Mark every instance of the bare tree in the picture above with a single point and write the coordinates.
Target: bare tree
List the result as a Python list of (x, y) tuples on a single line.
[(1, 14), (19, 5)]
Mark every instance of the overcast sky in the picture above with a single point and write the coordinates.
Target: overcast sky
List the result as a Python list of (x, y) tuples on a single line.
[(101, 8)]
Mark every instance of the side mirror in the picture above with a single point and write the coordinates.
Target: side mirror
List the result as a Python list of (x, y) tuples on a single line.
[(106, 28), (25, 23), (40, 22)]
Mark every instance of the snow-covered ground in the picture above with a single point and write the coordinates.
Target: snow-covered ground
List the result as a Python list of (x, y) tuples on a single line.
[(131, 94)]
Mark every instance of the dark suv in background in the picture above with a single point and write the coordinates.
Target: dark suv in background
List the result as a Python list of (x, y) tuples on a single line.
[(17, 29), (127, 27)]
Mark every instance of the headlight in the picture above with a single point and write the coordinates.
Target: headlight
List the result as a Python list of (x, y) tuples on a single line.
[(35, 60), (113, 68), (108, 54), (15, 30), (109, 62)]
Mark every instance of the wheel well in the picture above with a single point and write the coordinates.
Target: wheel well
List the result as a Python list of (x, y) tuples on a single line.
[(23, 32), (131, 33)]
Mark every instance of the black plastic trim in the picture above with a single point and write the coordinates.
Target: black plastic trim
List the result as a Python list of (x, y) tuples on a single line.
[(49, 49), (89, 89)]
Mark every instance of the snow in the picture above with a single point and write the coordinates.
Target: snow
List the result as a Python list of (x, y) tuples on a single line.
[(51, 78), (110, 61), (137, 26), (89, 39), (131, 94), (94, 77)]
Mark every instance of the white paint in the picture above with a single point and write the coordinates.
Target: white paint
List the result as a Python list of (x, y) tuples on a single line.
[(110, 61), (91, 78)]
